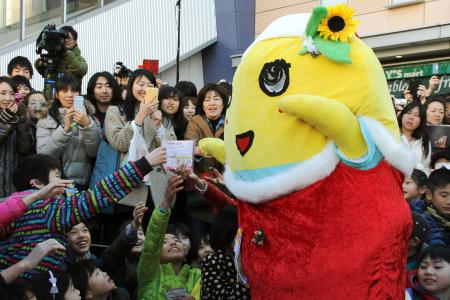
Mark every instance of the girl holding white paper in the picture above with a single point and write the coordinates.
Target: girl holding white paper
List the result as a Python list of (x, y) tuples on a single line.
[(145, 115)]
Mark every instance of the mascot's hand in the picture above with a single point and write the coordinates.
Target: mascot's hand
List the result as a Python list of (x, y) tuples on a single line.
[(213, 147), (332, 118)]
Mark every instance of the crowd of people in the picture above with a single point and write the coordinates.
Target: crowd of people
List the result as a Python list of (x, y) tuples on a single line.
[(65, 234)]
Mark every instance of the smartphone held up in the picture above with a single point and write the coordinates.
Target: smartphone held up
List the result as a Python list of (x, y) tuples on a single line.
[(151, 95)]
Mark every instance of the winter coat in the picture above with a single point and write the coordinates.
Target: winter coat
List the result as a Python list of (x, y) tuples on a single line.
[(116, 260), (119, 133), (416, 292), (8, 150), (154, 278), (219, 279), (72, 64), (11, 209), (54, 217), (74, 151), (438, 234), (197, 129)]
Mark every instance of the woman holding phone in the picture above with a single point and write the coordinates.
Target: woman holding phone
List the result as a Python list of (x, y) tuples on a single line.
[(141, 109), (70, 132)]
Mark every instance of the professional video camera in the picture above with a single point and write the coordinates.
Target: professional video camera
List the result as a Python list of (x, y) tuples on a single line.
[(52, 41)]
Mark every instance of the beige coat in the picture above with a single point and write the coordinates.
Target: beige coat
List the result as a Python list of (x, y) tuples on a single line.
[(196, 130), (119, 133), (74, 152)]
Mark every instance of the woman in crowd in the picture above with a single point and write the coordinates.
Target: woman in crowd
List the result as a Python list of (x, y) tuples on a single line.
[(189, 104), (103, 91), (37, 107), (412, 122), (207, 123), (70, 135), (173, 118), (148, 118), (435, 109), (11, 115)]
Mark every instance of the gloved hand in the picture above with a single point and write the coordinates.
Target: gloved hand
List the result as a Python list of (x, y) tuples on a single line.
[(9, 117)]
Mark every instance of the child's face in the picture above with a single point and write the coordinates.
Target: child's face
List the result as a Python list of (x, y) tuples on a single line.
[(186, 242), (434, 275), (410, 189), (203, 250), (79, 239), (189, 110), (23, 90), (441, 199), (172, 249), (141, 237), (72, 293), (37, 106), (99, 283)]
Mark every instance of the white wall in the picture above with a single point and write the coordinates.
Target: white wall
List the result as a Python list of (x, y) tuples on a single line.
[(135, 30)]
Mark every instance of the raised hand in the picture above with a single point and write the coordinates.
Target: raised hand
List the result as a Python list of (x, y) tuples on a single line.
[(138, 215), (68, 119), (174, 186), (81, 118), (41, 250), (157, 156)]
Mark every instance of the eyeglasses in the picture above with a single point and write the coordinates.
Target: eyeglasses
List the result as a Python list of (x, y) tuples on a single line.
[(69, 39)]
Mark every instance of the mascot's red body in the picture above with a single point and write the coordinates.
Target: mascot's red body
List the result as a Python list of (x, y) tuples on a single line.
[(352, 219)]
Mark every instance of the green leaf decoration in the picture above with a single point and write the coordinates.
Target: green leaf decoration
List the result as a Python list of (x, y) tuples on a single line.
[(336, 51), (319, 12)]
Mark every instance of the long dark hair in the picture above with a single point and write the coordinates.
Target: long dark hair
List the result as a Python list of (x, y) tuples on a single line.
[(10, 82), (63, 82), (420, 131), (116, 95), (178, 120), (130, 101)]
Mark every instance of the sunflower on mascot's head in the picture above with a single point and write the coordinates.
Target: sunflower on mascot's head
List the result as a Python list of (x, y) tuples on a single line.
[(312, 150)]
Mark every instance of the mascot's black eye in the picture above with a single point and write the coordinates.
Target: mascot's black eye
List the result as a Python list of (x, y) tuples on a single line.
[(274, 77)]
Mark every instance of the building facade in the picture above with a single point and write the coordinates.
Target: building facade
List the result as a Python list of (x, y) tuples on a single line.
[(411, 38)]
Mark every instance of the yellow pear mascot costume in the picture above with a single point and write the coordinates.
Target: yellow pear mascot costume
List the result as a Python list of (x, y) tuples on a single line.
[(312, 151)]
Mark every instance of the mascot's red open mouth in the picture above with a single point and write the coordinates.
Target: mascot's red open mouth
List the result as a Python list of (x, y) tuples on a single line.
[(244, 141)]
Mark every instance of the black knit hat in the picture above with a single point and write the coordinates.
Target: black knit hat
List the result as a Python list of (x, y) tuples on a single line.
[(421, 229)]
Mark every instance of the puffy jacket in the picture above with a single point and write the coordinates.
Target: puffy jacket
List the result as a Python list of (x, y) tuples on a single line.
[(11, 209), (75, 152), (438, 234), (154, 278)]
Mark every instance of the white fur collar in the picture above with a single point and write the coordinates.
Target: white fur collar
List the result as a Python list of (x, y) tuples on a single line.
[(317, 167)]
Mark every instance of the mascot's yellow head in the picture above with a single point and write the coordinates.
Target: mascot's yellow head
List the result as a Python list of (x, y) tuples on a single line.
[(302, 85), (329, 63)]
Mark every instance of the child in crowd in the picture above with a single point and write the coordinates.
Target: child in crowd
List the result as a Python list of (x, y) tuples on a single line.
[(414, 188), (183, 233), (52, 216), (433, 276), (93, 283), (219, 280), (54, 285), (437, 212), (23, 85), (200, 249), (162, 273), (416, 244)]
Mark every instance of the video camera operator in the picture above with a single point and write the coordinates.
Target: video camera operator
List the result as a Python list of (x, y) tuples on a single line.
[(68, 59)]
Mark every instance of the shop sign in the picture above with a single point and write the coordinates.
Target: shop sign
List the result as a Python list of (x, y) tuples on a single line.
[(417, 70), (396, 87)]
